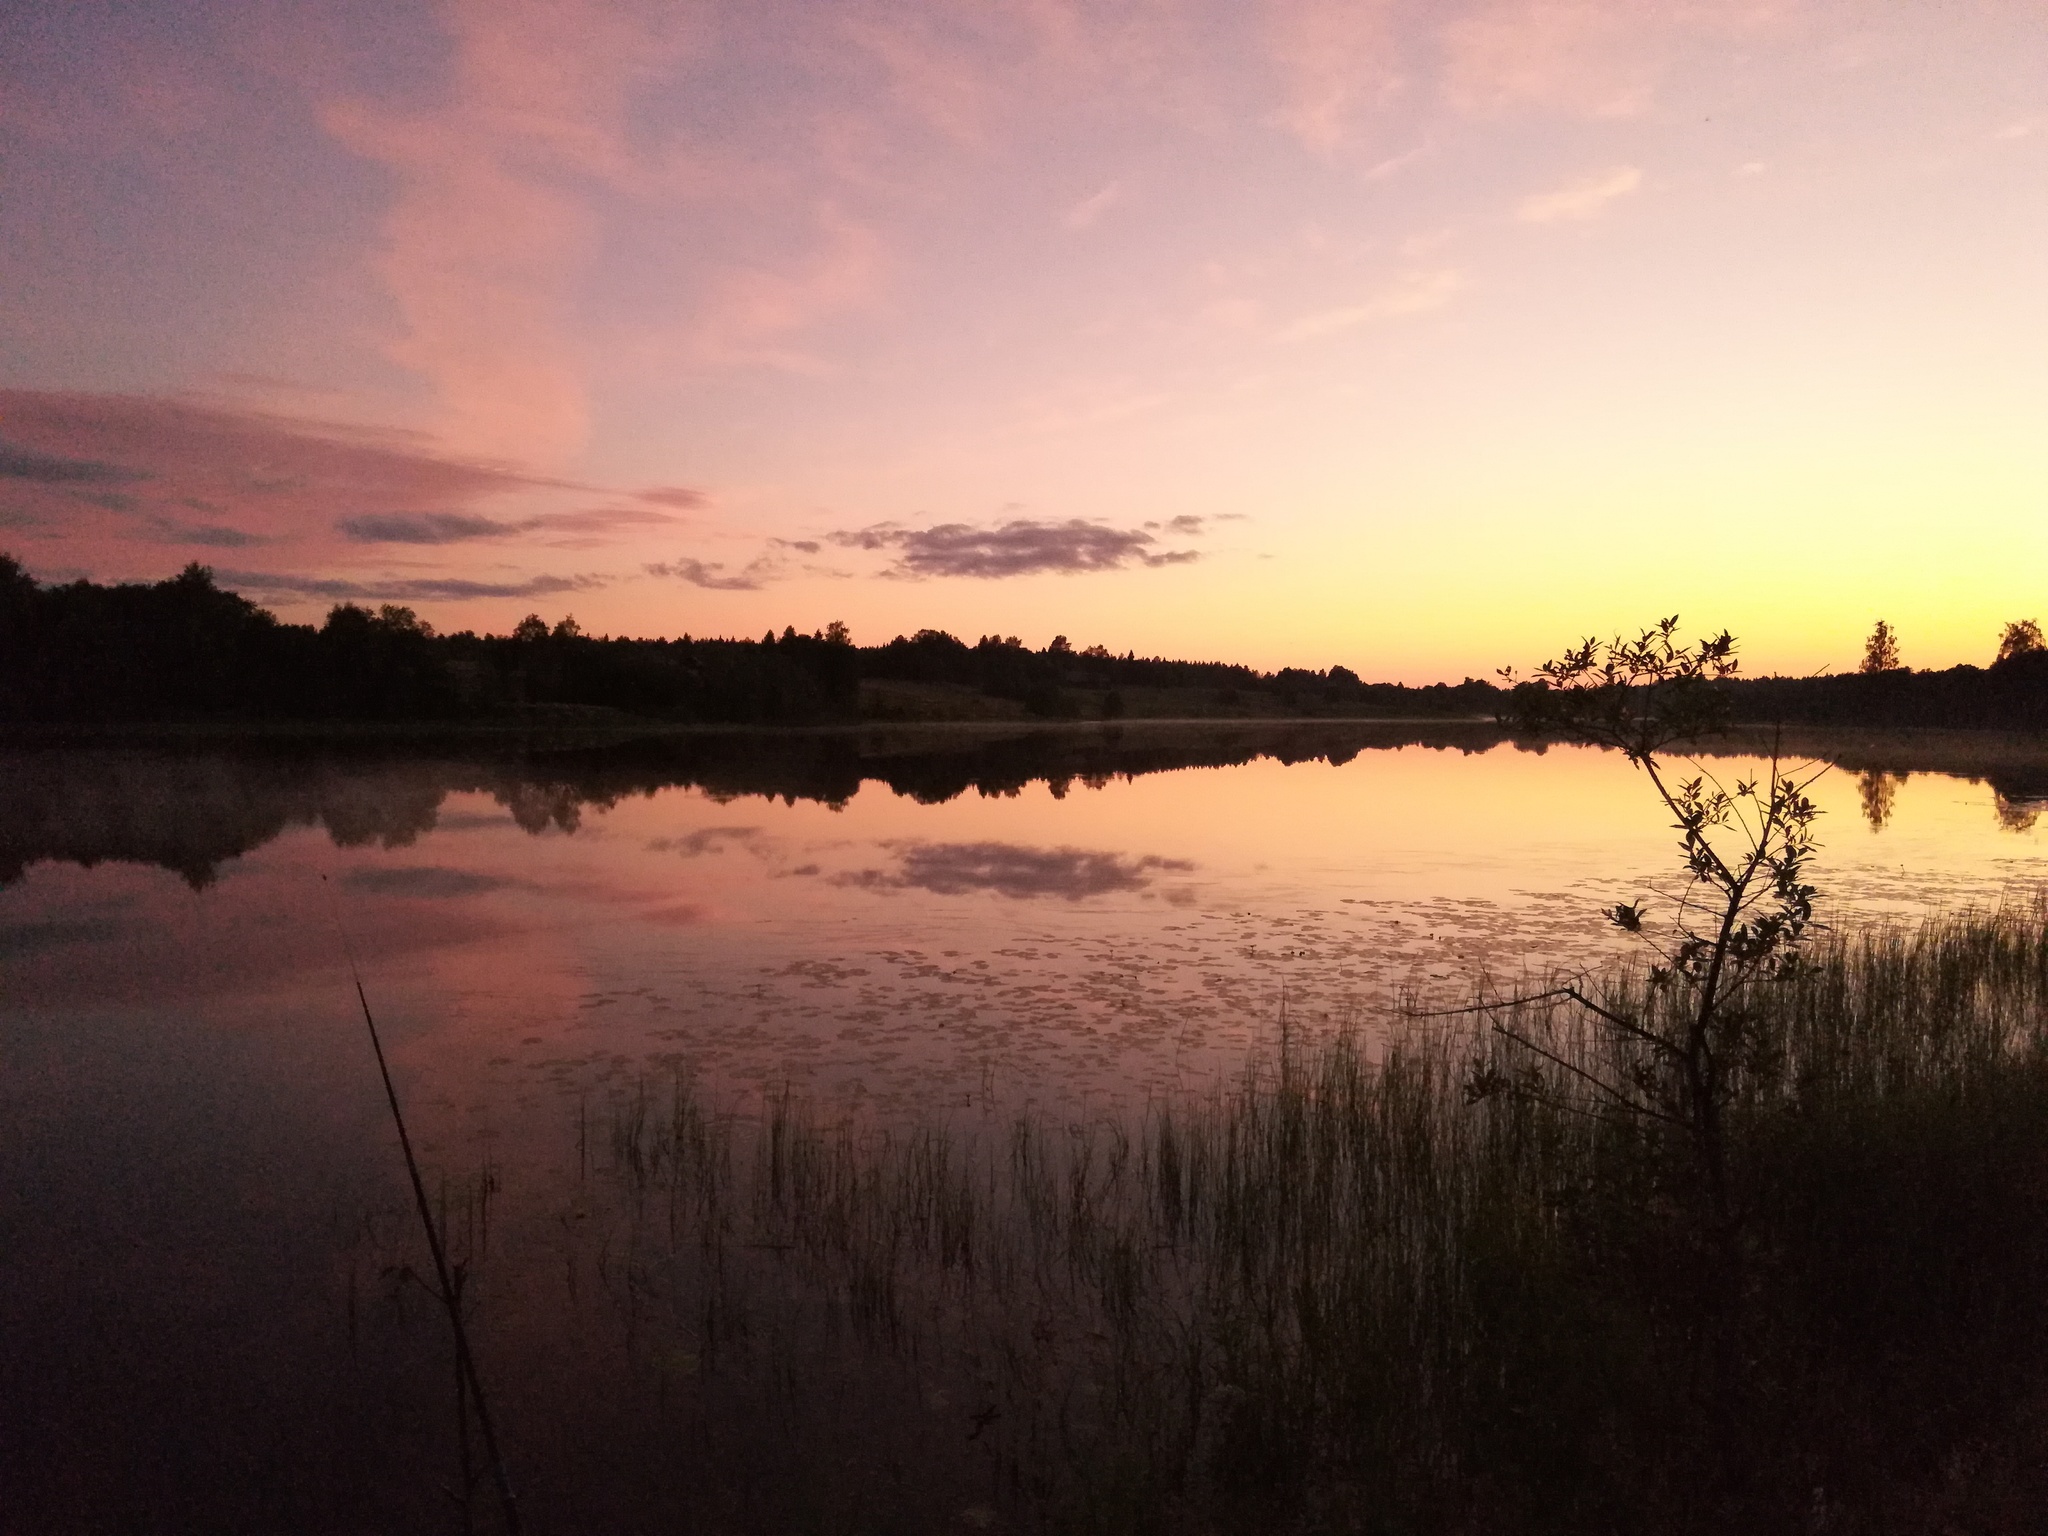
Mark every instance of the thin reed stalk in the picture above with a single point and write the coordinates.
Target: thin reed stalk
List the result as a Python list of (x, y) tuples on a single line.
[(1343, 1292)]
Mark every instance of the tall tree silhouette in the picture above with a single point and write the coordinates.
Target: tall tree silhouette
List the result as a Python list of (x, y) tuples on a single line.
[(1881, 650), (2022, 637)]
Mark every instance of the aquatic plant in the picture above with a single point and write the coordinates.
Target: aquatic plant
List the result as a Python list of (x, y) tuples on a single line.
[(1339, 1293)]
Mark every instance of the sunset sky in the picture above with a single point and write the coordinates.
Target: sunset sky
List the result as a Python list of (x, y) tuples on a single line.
[(1421, 337)]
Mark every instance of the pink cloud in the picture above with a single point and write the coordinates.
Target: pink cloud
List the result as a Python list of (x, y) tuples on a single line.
[(1583, 199), (682, 497), (1337, 59), (111, 479), (487, 235), (1589, 58), (277, 467), (938, 82), (752, 314)]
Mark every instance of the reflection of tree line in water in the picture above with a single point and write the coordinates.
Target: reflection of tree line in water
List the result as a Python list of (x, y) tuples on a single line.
[(189, 811), (2017, 799)]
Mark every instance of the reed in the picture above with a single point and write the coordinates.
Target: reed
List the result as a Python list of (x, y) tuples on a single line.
[(1346, 1292)]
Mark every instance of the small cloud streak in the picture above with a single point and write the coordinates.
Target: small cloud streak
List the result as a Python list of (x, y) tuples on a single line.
[(1022, 547), (1414, 295), (1337, 60), (421, 528), (1089, 209), (712, 574), (49, 469), (752, 315), (1590, 58), (433, 882), (1583, 199), (681, 497), (460, 527), (1012, 870), (396, 589), (708, 840), (209, 535)]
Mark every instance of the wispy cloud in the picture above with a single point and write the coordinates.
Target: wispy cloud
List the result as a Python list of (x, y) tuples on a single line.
[(1090, 208), (272, 476), (681, 497), (713, 575), (1583, 199), (400, 589), (1590, 58), (709, 840), (1337, 60), (49, 469), (1022, 547), (753, 316), (434, 882), (1415, 294), (421, 528), (210, 535), (488, 231)]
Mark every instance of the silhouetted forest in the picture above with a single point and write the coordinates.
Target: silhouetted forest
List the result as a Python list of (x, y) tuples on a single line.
[(184, 649)]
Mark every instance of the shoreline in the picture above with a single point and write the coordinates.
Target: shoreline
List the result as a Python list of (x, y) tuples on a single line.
[(1894, 749)]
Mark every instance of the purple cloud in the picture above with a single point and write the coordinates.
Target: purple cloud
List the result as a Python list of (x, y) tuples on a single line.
[(1013, 870), (419, 588), (1021, 547)]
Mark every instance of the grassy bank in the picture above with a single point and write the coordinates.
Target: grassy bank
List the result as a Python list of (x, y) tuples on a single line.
[(1343, 1294)]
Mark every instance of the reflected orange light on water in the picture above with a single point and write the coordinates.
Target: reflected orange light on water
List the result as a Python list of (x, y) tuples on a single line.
[(1082, 941), (1090, 941)]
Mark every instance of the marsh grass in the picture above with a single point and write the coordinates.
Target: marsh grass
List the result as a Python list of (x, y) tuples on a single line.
[(1342, 1293)]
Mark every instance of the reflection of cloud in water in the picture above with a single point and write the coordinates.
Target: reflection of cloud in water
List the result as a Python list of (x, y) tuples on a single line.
[(54, 933), (682, 915), (708, 840), (424, 880), (1008, 869)]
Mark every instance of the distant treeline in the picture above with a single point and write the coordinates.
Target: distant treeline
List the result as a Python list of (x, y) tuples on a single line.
[(2010, 695), (187, 650)]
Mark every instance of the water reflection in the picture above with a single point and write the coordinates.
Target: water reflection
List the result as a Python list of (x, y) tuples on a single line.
[(1879, 791), (191, 811), (930, 924), (955, 869), (425, 880)]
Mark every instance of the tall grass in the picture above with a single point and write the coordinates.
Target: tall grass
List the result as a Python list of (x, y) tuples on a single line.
[(1344, 1293)]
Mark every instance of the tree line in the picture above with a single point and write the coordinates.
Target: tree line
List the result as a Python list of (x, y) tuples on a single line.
[(187, 649)]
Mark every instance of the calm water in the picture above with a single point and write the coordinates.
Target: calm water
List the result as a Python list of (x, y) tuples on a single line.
[(192, 1132)]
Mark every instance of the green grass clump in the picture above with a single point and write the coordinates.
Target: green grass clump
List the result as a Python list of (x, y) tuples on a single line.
[(1345, 1292)]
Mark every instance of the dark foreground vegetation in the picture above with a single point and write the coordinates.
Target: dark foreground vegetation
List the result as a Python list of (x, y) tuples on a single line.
[(184, 650), (1359, 1290), (1748, 1237)]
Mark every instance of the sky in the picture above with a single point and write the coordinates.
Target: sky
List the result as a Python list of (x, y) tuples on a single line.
[(1421, 336)]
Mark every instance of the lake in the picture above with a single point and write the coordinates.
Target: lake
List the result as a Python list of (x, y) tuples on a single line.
[(200, 1197)]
